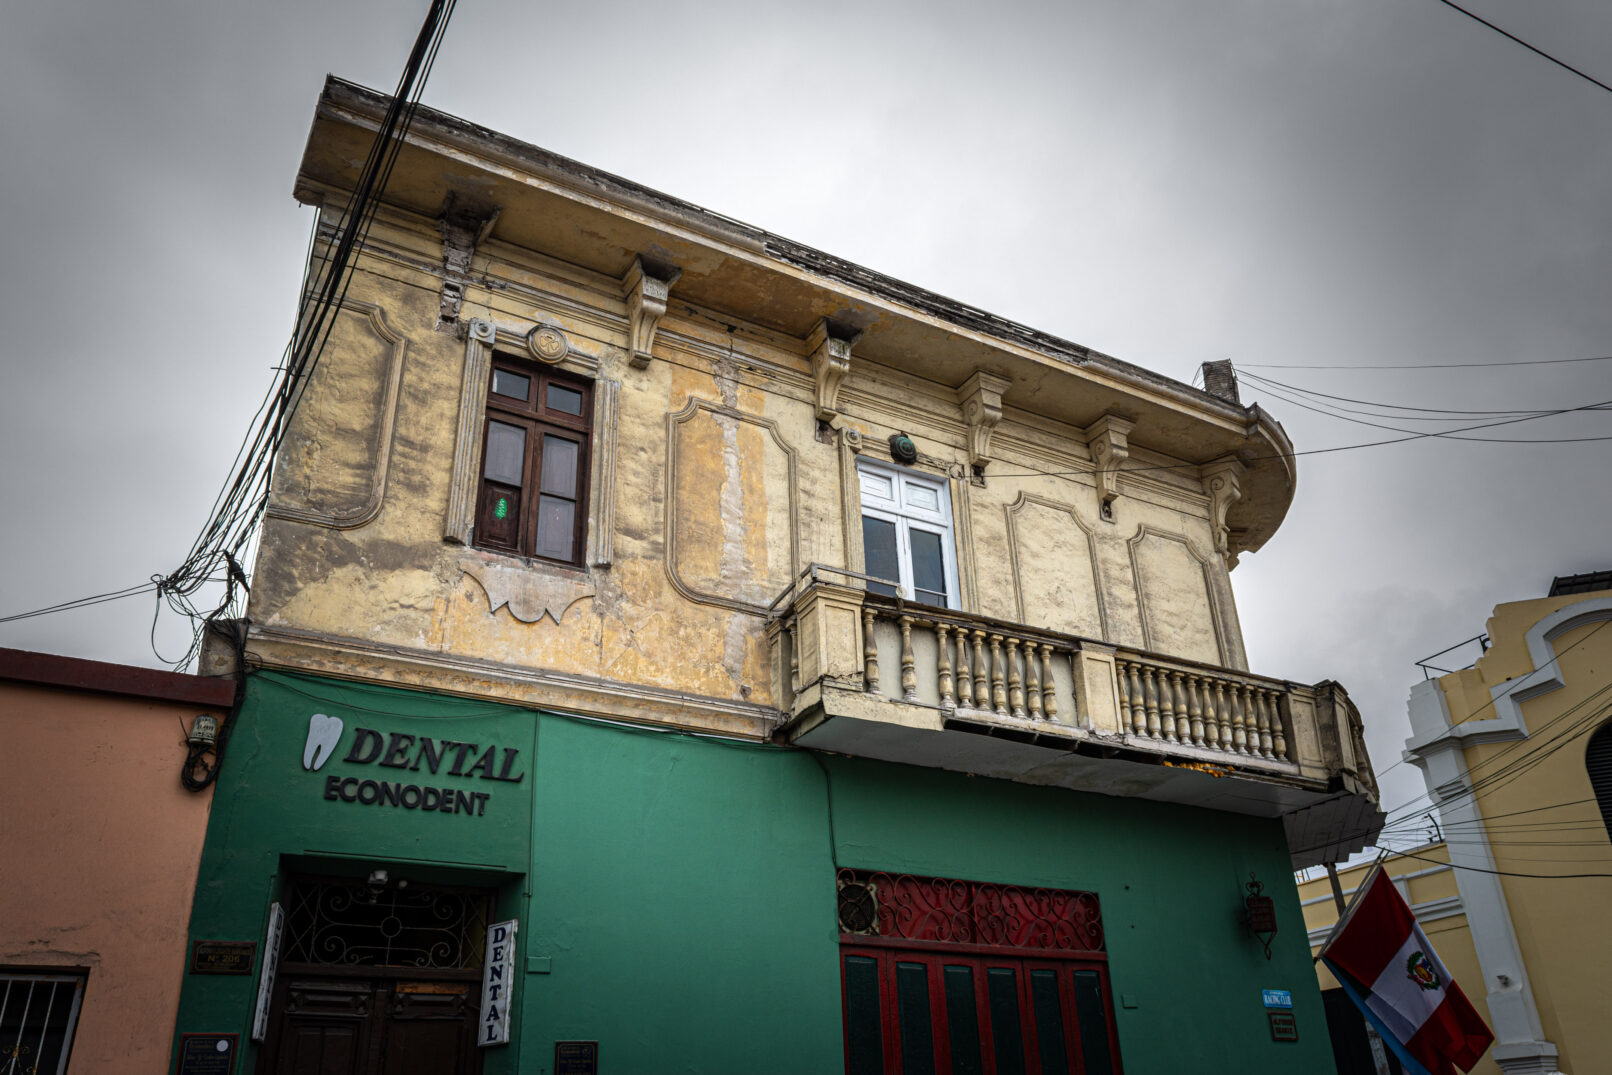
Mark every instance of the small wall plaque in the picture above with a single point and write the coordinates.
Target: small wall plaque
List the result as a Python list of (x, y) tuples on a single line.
[(222, 957), (1284, 1027), (207, 1054), (576, 1058)]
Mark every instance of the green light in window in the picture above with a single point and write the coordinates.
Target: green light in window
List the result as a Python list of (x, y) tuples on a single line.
[(502, 510)]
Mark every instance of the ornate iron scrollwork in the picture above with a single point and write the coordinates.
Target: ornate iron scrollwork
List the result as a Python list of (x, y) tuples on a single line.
[(352, 924), (968, 912)]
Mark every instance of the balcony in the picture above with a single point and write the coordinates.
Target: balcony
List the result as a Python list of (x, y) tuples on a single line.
[(863, 674)]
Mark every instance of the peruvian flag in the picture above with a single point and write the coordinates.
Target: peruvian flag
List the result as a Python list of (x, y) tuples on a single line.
[(1383, 960)]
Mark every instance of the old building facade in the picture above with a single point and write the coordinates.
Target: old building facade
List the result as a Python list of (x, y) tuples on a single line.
[(809, 670)]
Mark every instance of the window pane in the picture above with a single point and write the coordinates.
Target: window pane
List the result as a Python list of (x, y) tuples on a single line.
[(1049, 1022), (506, 453), (561, 398), (559, 466), (928, 569), (879, 553), (864, 1045), (962, 1021), (556, 527), (513, 385), (912, 1001), (878, 486), (1002, 990), (926, 497), (498, 521), (1093, 1023)]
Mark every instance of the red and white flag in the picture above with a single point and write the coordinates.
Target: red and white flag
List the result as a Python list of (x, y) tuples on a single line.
[(1379, 949)]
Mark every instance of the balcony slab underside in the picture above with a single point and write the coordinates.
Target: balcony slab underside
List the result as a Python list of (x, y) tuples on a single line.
[(1325, 820)]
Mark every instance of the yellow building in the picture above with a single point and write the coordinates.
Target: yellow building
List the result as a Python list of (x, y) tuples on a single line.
[(1517, 755), (801, 622)]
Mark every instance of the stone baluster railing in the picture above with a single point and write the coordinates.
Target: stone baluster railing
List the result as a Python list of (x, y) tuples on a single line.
[(1222, 712), (977, 667)]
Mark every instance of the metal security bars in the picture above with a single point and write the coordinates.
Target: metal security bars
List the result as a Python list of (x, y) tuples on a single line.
[(353, 924), (38, 1014)]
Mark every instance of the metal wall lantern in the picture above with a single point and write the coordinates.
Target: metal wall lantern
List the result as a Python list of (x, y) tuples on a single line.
[(1261, 914)]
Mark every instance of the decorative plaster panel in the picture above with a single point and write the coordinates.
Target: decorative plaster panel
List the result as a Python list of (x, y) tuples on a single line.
[(530, 592), (333, 465), (731, 496), (1054, 562), (1180, 616)]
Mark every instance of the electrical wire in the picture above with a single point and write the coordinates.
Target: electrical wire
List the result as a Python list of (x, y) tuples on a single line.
[(233, 525), (1443, 414), (1424, 365), (1537, 51), (1451, 434)]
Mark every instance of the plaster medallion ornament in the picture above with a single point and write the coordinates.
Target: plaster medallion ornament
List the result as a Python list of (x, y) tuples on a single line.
[(547, 343)]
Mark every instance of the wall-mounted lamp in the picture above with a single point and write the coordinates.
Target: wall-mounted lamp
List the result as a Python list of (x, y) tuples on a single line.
[(1261, 912), (200, 741), (203, 730)]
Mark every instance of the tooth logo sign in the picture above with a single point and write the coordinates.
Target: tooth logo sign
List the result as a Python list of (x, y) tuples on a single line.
[(323, 732)]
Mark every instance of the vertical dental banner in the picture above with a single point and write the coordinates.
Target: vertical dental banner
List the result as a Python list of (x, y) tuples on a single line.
[(271, 964), (497, 981)]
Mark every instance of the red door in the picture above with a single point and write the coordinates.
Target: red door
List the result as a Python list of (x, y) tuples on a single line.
[(918, 1011)]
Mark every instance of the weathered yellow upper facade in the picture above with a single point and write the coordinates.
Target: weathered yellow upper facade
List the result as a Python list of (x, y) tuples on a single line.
[(742, 385)]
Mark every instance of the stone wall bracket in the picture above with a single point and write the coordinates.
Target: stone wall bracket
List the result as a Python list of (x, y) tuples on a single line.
[(463, 228), (1222, 484), (1108, 438), (981, 400), (829, 347), (647, 286)]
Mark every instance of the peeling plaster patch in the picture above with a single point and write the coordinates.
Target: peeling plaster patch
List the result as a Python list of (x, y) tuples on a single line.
[(735, 568)]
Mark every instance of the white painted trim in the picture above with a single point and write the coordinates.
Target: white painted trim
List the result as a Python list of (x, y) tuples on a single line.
[(1547, 672), (1411, 876), (1425, 912), (1441, 756)]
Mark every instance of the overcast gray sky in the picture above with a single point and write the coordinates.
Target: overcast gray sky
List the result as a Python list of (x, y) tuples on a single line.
[(1348, 183)]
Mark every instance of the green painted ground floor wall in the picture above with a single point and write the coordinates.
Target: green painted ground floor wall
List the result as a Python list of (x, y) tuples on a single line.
[(676, 895)]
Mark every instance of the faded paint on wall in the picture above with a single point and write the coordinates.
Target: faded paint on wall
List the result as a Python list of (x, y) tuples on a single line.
[(102, 845), (723, 491)]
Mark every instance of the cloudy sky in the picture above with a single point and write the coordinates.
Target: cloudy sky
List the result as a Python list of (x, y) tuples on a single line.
[(1368, 185)]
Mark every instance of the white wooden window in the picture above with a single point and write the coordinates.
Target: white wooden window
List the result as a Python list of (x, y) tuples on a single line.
[(907, 533)]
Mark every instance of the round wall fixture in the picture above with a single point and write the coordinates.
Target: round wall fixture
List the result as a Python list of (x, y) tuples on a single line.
[(902, 449)]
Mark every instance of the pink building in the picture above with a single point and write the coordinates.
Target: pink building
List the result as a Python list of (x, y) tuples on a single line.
[(99, 845)]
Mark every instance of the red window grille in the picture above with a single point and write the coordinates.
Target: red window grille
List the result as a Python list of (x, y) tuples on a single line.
[(945, 910)]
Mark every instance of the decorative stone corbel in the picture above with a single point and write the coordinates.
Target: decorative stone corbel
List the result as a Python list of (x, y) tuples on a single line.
[(1108, 440), (830, 350), (1222, 483), (463, 229), (981, 399), (647, 287)]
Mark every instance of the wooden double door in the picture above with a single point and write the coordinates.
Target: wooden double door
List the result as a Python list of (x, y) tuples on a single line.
[(323, 1022), (933, 1012)]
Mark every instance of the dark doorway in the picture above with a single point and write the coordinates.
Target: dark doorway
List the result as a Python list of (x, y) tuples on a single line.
[(377, 980), (1351, 1050)]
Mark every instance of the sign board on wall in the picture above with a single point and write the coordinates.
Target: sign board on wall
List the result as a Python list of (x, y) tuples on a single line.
[(265, 983), (206, 1054), (222, 957), (451, 770), (497, 981)]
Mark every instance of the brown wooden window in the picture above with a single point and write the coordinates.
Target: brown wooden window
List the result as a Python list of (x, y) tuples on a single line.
[(534, 463)]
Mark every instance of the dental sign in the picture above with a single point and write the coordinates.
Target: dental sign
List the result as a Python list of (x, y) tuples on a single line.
[(446, 776)]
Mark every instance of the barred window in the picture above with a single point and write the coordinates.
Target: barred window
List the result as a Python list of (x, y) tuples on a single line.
[(38, 1014)]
